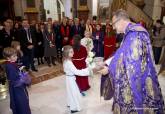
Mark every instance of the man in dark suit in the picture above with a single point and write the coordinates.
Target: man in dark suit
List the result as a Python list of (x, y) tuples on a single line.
[(76, 28), (6, 37), (27, 41)]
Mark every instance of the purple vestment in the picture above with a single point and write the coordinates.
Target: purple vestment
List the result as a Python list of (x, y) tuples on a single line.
[(137, 89)]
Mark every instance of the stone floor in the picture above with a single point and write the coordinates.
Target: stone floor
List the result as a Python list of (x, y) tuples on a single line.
[(49, 97)]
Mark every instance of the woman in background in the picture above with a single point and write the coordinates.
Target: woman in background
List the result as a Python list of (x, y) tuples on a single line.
[(39, 44), (98, 40), (109, 42), (50, 51)]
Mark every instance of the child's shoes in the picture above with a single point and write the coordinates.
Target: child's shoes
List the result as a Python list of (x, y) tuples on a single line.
[(74, 111)]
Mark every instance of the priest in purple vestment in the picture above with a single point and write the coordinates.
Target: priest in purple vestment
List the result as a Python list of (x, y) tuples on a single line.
[(137, 90)]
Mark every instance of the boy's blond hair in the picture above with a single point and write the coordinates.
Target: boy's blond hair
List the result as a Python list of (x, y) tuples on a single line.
[(8, 52)]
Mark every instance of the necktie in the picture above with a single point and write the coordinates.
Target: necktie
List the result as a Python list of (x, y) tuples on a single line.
[(28, 35)]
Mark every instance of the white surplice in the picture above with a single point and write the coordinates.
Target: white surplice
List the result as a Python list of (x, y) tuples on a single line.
[(73, 92)]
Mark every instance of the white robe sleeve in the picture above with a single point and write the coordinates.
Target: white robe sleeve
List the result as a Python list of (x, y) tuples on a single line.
[(108, 61), (82, 72)]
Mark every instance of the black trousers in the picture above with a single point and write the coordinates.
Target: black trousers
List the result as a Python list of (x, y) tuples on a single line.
[(28, 59), (157, 53)]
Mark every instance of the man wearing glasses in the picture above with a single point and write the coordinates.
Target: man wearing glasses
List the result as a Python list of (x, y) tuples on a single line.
[(132, 70)]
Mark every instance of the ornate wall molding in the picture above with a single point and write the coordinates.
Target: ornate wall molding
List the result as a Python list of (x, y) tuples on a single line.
[(139, 3)]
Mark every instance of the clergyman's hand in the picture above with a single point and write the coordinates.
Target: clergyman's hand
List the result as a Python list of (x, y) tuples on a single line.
[(103, 71), (96, 69)]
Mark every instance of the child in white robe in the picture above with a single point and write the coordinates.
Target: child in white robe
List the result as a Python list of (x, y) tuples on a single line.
[(73, 92)]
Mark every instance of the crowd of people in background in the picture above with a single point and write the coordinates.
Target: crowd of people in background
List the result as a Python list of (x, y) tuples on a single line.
[(44, 40), (158, 42)]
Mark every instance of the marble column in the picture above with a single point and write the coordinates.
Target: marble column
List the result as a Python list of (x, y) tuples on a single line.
[(75, 8), (94, 7), (67, 8), (157, 8), (89, 4), (18, 8)]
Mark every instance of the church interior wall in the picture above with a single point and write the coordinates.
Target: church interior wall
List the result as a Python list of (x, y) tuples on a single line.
[(152, 8)]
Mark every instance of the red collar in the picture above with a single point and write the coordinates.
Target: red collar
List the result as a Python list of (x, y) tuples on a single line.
[(9, 62)]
